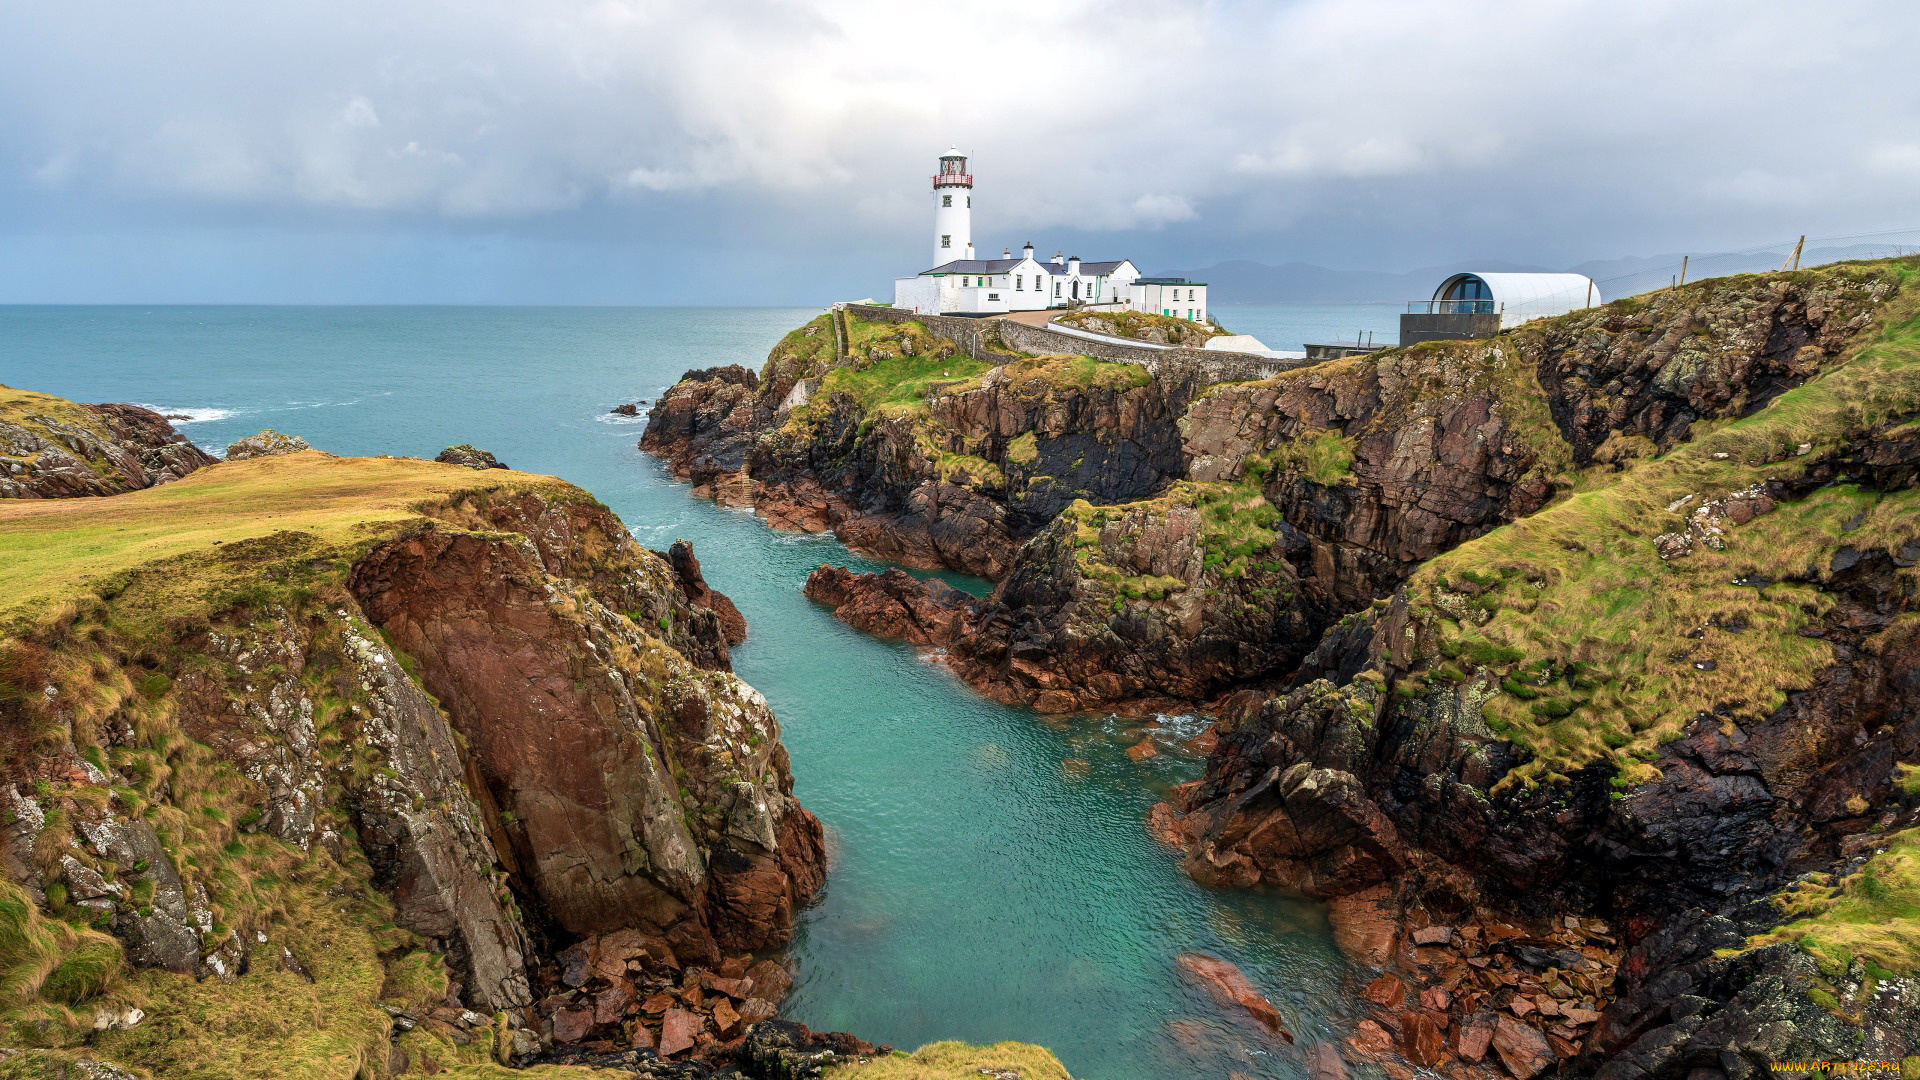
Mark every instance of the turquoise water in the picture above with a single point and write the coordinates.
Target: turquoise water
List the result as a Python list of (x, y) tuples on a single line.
[(980, 889)]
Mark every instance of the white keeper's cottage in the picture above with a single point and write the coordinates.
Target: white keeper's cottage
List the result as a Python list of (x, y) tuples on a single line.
[(960, 284)]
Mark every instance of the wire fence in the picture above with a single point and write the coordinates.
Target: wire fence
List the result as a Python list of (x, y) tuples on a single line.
[(1786, 254)]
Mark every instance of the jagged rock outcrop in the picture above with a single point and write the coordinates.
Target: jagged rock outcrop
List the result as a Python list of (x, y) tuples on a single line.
[(1312, 494), (469, 455), (686, 570), (484, 756), (953, 478), (1578, 716), (268, 443), (708, 851), (54, 449), (1457, 690)]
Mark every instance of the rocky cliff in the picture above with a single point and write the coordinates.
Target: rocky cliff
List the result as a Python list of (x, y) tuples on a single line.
[(352, 767), (54, 449), (1573, 666), (908, 448), (1300, 499), (1647, 743)]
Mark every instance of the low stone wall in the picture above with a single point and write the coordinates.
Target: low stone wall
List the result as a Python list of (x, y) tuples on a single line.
[(973, 335)]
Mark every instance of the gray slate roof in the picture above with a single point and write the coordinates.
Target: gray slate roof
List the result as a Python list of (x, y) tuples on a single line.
[(1001, 266), (975, 266), (1087, 269)]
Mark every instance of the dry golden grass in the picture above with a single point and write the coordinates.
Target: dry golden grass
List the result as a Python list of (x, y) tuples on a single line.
[(310, 503)]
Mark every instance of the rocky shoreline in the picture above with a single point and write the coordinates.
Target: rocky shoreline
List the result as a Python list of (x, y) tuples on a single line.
[(340, 759), (1570, 843)]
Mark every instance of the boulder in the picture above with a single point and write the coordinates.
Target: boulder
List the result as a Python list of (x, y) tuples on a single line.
[(1522, 1049), (571, 1025), (470, 456), (269, 443), (677, 1030)]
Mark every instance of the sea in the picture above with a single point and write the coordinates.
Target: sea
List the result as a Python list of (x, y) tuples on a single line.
[(991, 878)]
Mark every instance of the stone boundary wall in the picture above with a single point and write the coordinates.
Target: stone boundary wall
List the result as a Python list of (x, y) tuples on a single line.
[(1206, 365)]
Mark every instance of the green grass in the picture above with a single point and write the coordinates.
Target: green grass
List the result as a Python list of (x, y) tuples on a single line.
[(1873, 914), (1599, 624), (1024, 449), (28, 410), (1324, 457), (270, 1022), (899, 384), (957, 1061), (1040, 376), (1128, 324), (1234, 520)]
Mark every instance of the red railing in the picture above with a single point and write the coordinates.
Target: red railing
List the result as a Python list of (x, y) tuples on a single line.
[(953, 179)]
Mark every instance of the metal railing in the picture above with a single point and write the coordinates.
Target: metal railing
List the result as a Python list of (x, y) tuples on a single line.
[(1449, 307), (953, 179)]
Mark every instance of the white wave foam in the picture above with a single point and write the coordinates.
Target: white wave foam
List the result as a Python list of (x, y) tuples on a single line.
[(190, 416), (616, 418)]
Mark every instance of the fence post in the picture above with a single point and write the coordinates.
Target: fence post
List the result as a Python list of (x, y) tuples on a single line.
[(1683, 268)]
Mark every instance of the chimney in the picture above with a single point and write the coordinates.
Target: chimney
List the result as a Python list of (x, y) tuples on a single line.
[(1006, 253), (1057, 258), (1027, 252), (969, 249), (1073, 266)]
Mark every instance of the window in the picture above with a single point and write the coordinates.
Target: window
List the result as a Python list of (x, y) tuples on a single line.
[(946, 240), (1019, 282), (1056, 290), (969, 202), (993, 298), (946, 200)]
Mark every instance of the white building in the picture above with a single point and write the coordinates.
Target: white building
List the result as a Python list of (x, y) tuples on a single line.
[(959, 283), (1516, 298), (1174, 297)]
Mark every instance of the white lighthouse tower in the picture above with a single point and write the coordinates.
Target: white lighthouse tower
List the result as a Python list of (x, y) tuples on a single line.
[(952, 209)]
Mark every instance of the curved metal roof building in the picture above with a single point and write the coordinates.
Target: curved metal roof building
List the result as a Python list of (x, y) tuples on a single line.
[(1516, 298)]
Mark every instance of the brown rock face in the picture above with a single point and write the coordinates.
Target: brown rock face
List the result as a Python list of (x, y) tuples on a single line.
[(687, 569), (809, 459), (891, 604), (570, 712), (68, 451)]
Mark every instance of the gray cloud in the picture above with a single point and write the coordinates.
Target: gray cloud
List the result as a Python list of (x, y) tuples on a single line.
[(590, 149)]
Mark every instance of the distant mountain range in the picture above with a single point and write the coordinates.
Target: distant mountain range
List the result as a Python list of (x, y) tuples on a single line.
[(1242, 281)]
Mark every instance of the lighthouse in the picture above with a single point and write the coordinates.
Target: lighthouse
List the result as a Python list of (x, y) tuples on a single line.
[(952, 209)]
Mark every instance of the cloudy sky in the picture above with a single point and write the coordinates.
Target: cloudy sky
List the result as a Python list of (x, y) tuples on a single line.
[(761, 151)]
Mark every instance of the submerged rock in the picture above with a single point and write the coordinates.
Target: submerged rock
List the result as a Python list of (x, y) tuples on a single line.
[(1230, 986)]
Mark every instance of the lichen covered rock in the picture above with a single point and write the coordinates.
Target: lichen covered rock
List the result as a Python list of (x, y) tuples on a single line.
[(266, 444), (54, 449), (401, 757)]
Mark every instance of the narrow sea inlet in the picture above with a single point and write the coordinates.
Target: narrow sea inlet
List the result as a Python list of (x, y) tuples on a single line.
[(991, 878)]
